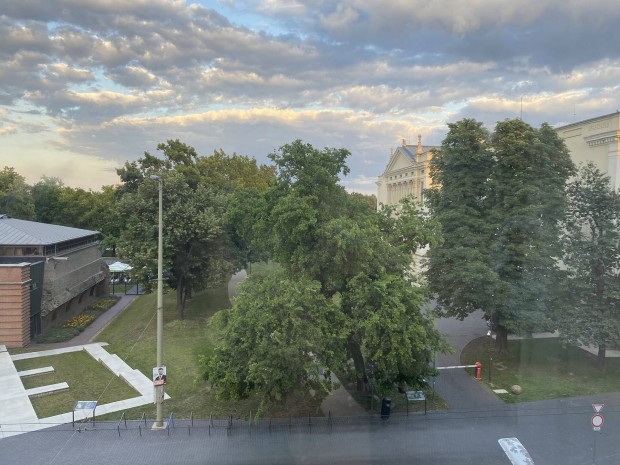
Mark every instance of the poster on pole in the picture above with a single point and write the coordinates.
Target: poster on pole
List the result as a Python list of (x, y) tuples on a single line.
[(159, 376)]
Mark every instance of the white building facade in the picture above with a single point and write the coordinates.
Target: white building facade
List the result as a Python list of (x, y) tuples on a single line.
[(407, 173), (596, 140)]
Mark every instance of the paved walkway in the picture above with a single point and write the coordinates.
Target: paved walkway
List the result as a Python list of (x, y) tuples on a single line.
[(339, 403), (18, 416)]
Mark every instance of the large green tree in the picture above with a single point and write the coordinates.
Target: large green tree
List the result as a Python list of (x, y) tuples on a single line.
[(46, 196), (500, 199), (194, 242), (201, 245), (360, 261), (277, 338), (589, 311)]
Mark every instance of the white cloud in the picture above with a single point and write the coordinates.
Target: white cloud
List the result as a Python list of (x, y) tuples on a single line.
[(107, 79)]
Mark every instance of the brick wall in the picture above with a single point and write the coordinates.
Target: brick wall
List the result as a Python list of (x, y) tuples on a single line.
[(15, 305)]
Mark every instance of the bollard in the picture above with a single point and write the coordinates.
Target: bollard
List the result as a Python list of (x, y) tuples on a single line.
[(478, 370)]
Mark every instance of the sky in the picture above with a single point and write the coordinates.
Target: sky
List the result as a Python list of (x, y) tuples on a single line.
[(86, 85)]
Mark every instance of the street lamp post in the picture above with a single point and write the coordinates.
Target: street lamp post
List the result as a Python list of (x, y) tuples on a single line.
[(160, 306)]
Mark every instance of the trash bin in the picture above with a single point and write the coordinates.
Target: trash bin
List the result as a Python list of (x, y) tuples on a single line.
[(386, 408)]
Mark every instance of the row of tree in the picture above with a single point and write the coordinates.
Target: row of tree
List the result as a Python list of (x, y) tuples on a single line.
[(198, 241), (526, 238)]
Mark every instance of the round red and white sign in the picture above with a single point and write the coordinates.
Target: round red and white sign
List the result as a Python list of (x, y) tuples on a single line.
[(597, 421)]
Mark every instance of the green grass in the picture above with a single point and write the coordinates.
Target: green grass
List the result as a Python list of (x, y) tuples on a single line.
[(544, 368), (262, 267), (92, 381)]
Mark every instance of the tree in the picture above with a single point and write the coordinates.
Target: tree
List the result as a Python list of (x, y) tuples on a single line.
[(195, 245), (278, 336), (500, 201), (235, 172), (589, 312), (15, 197), (46, 195), (396, 337), (460, 268), (196, 248), (356, 256)]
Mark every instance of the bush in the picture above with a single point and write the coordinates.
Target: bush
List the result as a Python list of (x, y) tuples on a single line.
[(102, 305), (58, 335), (78, 323)]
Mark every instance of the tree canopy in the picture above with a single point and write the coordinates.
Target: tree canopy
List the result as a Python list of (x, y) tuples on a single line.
[(338, 252), (588, 311), (500, 200), (199, 247), (15, 197)]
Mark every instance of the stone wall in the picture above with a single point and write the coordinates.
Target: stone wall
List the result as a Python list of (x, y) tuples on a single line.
[(72, 281)]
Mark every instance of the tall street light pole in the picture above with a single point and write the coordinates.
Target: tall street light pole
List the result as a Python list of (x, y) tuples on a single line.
[(160, 305)]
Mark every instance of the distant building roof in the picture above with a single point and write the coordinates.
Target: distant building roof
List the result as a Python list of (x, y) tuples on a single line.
[(21, 232), (411, 150)]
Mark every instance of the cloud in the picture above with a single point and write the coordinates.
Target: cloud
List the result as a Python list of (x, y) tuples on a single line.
[(108, 79)]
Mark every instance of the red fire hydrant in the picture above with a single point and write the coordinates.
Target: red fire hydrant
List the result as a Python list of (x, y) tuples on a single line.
[(478, 370)]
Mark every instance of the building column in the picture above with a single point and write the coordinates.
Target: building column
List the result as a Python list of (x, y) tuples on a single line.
[(613, 165)]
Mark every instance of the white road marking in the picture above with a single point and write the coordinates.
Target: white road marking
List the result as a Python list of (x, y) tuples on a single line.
[(517, 454)]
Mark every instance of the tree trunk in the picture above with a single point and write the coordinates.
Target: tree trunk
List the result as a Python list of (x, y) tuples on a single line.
[(358, 362), (600, 360), (180, 301), (501, 339)]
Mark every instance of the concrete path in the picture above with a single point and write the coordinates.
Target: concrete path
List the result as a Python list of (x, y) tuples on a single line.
[(339, 403), (17, 415)]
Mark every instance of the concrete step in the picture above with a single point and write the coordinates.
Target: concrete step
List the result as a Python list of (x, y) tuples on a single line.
[(45, 390), (35, 371)]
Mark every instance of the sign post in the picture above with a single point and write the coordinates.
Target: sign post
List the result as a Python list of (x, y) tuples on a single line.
[(415, 396), (596, 421)]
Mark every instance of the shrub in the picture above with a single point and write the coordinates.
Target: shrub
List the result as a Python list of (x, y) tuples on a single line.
[(58, 335)]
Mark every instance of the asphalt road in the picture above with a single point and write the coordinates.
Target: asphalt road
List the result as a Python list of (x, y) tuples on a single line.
[(553, 432)]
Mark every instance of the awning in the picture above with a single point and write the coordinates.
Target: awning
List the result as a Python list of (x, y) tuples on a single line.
[(119, 267)]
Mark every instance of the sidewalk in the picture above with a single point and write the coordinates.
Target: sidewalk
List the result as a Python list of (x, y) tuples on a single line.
[(339, 403)]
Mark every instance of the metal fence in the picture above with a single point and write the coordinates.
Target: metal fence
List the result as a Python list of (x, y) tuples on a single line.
[(230, 425)]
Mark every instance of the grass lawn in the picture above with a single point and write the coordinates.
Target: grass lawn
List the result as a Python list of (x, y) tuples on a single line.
[(92, 381), (132, 336), (544, 368)]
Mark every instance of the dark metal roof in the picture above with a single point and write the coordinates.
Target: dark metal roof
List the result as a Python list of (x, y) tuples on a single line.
[(411, 150), (21, 232)]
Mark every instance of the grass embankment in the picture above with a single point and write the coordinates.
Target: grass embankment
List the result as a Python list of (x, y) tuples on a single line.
[(544, 368), (92, 381)]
